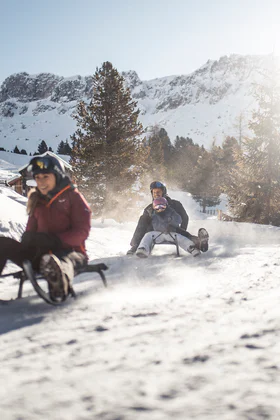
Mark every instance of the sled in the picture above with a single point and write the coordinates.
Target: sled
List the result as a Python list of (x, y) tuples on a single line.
[(173, 241), (28, 274)]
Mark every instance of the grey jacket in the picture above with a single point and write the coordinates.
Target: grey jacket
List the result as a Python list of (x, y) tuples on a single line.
[(167, 220)]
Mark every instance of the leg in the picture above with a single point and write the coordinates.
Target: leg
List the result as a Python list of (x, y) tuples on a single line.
[(59, 270), (146, 244), (141, 229), (12, 250), (200, 241), (187, 245), (71, 263)]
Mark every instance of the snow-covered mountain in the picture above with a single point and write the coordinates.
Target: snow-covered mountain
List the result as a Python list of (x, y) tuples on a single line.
[(206, 104)]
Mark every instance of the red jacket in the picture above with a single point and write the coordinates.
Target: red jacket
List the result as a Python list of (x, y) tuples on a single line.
[(67, 215)]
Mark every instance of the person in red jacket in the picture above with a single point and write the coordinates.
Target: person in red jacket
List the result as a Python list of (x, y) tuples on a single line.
[(57, 228)]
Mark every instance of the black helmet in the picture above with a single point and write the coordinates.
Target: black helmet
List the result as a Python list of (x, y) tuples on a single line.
[(45, 165), (158, 184)]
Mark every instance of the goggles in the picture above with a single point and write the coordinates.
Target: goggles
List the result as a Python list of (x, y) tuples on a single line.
[(159, 207), (43, 164)]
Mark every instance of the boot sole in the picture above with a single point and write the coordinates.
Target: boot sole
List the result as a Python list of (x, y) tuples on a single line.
[(203, 236), (51, 270), (140, 255)]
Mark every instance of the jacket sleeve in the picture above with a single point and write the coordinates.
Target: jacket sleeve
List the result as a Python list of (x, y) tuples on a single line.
[(80, 222), (31, 224), (178, 207), (176, 219)]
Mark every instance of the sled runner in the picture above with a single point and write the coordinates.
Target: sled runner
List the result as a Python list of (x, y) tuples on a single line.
[(28, 274), (173, 241)]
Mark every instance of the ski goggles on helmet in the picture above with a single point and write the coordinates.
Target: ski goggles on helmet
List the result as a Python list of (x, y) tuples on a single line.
[(40, 164)]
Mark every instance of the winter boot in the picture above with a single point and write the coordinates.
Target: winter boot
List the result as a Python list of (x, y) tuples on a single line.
[(132, 250), (193, 250), (203, 237), (50, 268), (142, 253)]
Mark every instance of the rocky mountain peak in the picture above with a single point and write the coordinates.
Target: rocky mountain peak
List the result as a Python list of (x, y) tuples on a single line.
[(27, 88), (200, 105)]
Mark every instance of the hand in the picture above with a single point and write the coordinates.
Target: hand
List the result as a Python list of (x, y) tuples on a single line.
[(169, 228)]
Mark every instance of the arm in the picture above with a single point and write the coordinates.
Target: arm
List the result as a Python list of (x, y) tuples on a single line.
[(175, 219), (31, 224), (80, 217), (178, 207)]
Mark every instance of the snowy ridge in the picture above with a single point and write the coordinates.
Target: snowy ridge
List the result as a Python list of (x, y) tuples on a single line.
[(203, 105)]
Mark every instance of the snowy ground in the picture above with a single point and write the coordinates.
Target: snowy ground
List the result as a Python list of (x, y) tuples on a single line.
[(187, 338)]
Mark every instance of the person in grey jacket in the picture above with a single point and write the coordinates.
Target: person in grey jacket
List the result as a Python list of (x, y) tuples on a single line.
[(165, 221), (144, 225)]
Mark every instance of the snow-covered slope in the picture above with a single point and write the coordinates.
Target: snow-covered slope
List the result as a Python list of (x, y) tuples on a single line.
[(187, 338), (213, 102), (13, 215)]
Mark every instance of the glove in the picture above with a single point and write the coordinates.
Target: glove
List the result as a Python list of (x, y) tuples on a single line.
[(40, 240), (169, 228)]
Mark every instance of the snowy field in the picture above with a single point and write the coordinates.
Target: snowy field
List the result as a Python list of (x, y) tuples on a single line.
[(171, 338)]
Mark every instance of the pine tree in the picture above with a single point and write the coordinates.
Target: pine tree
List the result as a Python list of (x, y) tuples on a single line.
[(205, 185), (42, 148), (16, 150), (67, 148), (254, 193), (60, 148), (184, 158), (64, 148), (160, 153), (108, 154), (225, 160)]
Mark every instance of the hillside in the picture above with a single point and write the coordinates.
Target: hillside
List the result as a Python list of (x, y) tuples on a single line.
[(188, 338), (214, 101)]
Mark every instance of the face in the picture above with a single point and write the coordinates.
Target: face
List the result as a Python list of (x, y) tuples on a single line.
[(45, 182), (157, 192)]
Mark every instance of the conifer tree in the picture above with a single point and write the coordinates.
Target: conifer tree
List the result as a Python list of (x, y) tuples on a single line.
[(60, 148), (205, 186), (67, 148), (64, 148), (42, 148), (107, 152), (184, 159), (254, 193), (160, 153), (225, 158)]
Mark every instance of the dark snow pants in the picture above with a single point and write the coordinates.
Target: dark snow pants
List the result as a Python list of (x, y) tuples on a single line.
[(12, 250)]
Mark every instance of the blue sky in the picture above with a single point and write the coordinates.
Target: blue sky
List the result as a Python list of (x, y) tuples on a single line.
[(155, 38)]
